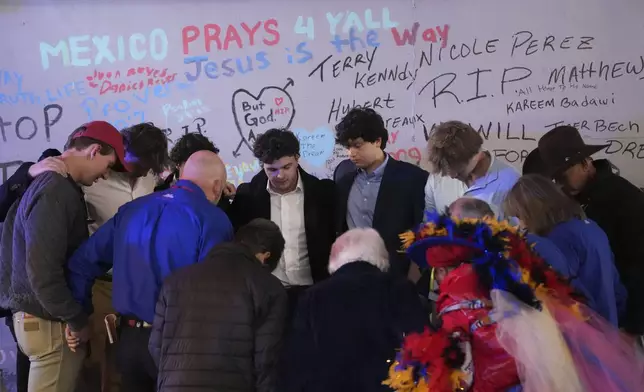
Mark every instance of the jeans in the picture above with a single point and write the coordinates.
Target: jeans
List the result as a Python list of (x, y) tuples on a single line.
[(53, 366)]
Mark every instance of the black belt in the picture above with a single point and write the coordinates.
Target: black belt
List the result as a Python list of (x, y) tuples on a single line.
[(128, 321)]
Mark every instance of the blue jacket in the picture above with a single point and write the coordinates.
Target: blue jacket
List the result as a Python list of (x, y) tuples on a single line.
[(587, 259), (144, 242)]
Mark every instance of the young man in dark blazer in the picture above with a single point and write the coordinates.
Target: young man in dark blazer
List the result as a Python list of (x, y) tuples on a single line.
[(299, 203), (373, 189)]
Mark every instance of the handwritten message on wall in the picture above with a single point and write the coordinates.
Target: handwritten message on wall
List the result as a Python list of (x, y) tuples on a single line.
[(513, 69), (231, 70)]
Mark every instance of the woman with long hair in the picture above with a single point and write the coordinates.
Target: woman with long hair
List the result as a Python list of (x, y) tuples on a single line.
[(547, 213)]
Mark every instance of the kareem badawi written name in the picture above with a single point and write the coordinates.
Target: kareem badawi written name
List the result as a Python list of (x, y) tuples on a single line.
[(527, 105)]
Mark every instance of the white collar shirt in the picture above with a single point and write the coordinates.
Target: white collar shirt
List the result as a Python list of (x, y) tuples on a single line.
[(287, 211)]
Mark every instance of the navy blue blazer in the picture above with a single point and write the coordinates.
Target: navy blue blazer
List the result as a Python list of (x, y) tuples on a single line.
[(400, 205)]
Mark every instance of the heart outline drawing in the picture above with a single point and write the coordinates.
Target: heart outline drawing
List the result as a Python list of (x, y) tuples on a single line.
[(244, 138)]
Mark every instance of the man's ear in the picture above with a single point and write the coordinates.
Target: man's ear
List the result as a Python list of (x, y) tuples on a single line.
[(586, 163), (378, 142), (217, 189), (478, 156), (93, 150)]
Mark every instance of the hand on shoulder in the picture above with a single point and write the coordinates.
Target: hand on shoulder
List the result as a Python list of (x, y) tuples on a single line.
[(51, 164), (230, 190)]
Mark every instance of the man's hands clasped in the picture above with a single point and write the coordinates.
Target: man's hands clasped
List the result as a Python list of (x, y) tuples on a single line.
[(75, 339)]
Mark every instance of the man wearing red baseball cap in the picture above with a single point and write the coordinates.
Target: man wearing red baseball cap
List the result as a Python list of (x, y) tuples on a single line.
[(103, 132), (41, 229), (146, 155)]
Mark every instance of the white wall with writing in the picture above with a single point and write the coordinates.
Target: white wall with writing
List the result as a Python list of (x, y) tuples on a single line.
[(231, 70)]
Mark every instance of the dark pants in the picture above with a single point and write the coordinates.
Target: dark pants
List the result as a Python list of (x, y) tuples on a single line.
[(22, 362), (423, 283), (133, 360), (294, 293)]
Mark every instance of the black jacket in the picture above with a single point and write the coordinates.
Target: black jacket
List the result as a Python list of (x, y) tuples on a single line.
[(219, 324), (224, 202), (13, 188), (253, 201), (617, 206), (347, 328), (400, 205), (16, 185), (167, 182)]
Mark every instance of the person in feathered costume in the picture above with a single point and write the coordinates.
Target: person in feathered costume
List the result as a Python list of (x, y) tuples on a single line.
[(508, 320)]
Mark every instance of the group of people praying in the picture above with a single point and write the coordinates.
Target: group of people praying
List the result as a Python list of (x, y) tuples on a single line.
[(128, 267)]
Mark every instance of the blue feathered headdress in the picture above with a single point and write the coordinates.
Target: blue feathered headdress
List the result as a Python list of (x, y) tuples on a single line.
[(498, 252)]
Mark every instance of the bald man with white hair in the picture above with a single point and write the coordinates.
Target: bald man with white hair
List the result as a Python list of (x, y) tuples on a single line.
[(470, 208), (348, 326), (144, 242), (359, 245)]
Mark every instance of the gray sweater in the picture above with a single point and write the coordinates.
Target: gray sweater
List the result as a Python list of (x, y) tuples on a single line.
[(40, 233)]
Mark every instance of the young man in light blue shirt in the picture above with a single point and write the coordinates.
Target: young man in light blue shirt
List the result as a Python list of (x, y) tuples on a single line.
[(456, 150)]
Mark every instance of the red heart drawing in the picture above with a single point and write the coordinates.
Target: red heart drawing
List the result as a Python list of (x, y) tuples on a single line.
[(279, 101)]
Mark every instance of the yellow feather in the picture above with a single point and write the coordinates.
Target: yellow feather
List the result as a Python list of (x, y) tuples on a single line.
[(403, 380), (427, 230), (576, 310), (471, 221), (457, 379), (527, 279), (407, 239)]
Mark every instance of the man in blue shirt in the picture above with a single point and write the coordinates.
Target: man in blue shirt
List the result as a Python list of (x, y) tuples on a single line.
[(144, 242)]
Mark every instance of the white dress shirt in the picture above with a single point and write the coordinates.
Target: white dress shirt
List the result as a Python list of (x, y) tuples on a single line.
[(287, 211), (441, 191), (104, 198)]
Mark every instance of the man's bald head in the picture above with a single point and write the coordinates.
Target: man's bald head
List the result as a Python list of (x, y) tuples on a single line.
[(470, 207), (206, 170)]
